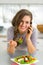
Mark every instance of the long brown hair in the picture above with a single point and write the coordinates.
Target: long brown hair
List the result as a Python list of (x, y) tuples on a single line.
[(17, 19)]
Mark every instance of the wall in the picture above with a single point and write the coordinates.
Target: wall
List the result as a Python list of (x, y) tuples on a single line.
[(8, 11), (22, 2)]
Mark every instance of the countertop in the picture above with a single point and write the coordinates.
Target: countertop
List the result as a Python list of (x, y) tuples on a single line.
[(5, 58)]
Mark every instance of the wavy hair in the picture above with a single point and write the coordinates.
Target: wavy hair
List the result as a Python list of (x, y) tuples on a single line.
[(18, 17)]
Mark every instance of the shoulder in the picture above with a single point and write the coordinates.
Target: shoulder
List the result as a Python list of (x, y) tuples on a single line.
[(10, 29), (34, 34), (34, 30), (34, 37), (10, 33)]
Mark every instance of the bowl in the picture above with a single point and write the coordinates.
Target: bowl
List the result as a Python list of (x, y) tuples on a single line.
[(40, 27)]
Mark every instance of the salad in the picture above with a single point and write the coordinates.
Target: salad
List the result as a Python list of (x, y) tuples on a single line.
[(19, 41), (25, 59)]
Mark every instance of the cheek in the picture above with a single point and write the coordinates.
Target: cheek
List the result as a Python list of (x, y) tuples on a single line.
[(20, 24), (28, 26)]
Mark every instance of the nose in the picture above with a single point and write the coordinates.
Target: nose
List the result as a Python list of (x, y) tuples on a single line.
[(23, 23)]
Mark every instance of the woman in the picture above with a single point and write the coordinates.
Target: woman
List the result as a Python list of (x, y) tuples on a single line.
[(22, 28)]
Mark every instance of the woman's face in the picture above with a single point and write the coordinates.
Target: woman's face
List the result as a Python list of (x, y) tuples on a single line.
[(25, 24)]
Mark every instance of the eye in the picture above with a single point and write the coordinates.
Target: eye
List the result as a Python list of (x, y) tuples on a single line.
[(27, 22)]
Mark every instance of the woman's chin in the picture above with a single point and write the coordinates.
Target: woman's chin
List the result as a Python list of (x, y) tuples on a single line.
[(22, 31)]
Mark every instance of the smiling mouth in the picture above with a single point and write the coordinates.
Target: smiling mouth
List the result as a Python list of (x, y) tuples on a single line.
[(22, 28)]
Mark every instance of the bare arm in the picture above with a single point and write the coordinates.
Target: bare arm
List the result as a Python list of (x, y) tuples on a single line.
[(11, 48), (12, 44), (31, 48), (31, 43)]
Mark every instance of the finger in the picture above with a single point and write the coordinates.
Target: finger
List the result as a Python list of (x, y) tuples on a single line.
[(15, 43), (31, 28), (11, 42), (30, 31)]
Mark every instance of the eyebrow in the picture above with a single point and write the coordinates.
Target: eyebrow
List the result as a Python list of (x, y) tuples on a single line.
[(23, 21)]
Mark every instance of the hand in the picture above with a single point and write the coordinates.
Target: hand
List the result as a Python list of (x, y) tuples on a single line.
[(28, 35), (12, 43), (11, 50)]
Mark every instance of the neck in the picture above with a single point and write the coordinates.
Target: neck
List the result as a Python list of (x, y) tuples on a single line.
[(22, 33)]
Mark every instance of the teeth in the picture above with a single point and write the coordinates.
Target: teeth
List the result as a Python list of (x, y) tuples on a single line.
[(22, 27)]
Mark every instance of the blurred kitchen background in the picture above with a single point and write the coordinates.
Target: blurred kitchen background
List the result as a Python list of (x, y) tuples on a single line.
[(7, 12)]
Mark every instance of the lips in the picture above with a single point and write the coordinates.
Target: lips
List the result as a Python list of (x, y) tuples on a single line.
[(23, 27)]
